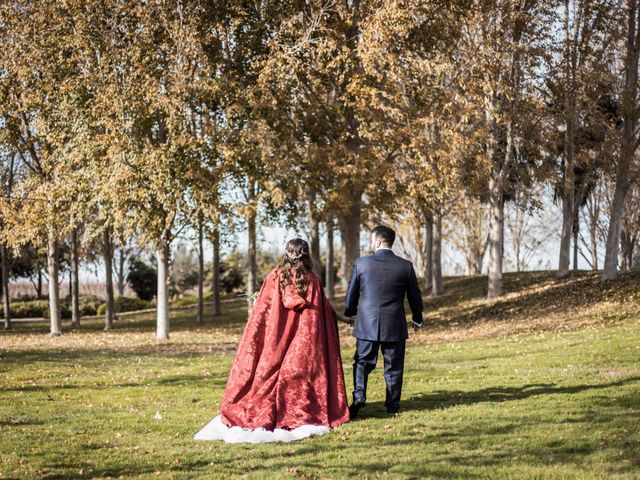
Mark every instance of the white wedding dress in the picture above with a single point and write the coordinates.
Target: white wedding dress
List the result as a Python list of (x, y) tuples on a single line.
[(216, 430)]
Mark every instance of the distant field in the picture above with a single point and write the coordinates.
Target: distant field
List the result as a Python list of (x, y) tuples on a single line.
[(28, 289), (544, 383)]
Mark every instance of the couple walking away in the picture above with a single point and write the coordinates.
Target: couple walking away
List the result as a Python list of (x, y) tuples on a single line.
[(286, 382)]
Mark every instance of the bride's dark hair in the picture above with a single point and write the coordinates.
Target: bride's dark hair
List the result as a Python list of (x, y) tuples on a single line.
[(296, 257)]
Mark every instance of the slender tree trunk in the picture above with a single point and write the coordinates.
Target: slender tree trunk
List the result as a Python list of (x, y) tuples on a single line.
[(120, 274), (428, 251), (626, 249), (628, 144), (39, 287), (75, 286), (330, 268), (496, 196), (568, 185), (476, 268), (107, 248), (6, 297), (217, 306), (576, 233), (496, 235), (567, 214), (54, 291), (162, 307), (350, 223), (436, 256), (314, 227), (517, 241), (593, 231), (350, 220), (200, 318), (475, 256), (4, 252), (252, 251)]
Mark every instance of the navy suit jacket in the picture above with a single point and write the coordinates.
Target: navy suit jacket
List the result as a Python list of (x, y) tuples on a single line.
[(376, 294)]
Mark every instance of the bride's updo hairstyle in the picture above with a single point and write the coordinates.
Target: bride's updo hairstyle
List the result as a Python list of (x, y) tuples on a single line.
[(296, 257)]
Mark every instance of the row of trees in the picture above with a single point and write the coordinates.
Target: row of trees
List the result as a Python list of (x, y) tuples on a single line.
[(140, 120)]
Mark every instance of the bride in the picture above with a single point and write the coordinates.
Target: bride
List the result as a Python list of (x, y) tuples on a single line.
[(286, 382)]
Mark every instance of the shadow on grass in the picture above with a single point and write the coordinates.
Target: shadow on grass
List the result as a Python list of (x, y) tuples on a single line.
[(457, 450), (116, 472), (440, 399), (20, 423), (191, 380), (97, 355)]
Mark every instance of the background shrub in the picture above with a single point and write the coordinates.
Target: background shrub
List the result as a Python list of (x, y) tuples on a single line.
[(126, 304), (143, 279)]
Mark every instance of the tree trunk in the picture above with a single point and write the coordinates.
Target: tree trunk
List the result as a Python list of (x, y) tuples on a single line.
[(475, 256), (252, 251), (615, 227), (428, 251), (436, 256), (6, 297), (217, 306), (627, 245), (576, 233), (474, 263), (162, 297), (350, 232), (75, 286), (567, 216), (628, 144), (107, 249), (330, 269), (120, 273), (54, 291), (200, 317), (496, 195), (39, 287), (314, 227), (496, 235), (476, 267), (593, 231), (568, 184), (517, 238)]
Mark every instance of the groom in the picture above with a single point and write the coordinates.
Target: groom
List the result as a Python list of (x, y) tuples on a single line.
[(376, 294)]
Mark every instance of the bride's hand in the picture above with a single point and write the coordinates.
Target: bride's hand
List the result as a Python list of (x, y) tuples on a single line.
[(348, 320)]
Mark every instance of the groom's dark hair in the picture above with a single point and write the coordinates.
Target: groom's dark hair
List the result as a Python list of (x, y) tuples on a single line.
[(386, 234)]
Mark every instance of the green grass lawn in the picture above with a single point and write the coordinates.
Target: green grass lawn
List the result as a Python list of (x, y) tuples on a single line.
[(544, 383)]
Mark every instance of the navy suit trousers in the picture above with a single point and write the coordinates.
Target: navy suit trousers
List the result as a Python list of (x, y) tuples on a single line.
[(365, 361)]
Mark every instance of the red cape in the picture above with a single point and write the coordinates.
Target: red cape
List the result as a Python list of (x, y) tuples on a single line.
[(287, 371)]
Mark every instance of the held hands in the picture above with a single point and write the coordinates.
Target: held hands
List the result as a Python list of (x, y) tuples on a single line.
[(348, 320)]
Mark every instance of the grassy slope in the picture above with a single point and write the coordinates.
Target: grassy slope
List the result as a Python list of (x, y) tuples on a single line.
[(544, 383)]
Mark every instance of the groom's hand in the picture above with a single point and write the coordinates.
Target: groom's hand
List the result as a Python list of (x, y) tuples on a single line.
[(416, 326)]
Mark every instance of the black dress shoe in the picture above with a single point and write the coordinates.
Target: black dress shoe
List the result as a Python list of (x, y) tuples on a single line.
[(354, 408), (392, 410)]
